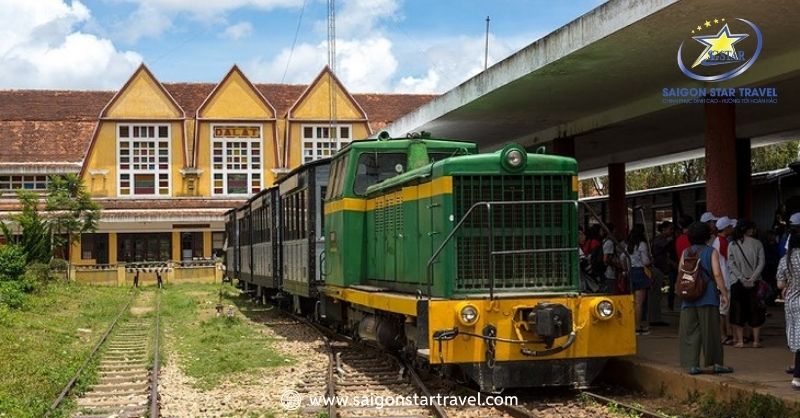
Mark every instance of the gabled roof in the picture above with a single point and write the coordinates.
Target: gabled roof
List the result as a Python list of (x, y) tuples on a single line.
[(326, 71), (142, 69), (55, 127), (234, 71)]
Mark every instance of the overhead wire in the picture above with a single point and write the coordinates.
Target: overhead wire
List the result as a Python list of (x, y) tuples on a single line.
[(294, 43)]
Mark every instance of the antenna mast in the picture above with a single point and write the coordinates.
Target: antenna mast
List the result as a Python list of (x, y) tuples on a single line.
[(333, 130)]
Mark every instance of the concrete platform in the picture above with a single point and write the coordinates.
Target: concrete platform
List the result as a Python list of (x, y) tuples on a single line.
[(656, 368)]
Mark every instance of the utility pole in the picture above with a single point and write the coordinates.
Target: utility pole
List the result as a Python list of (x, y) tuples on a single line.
[(486, 49)]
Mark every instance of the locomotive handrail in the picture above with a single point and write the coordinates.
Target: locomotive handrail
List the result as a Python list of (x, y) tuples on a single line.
[(488, 206)]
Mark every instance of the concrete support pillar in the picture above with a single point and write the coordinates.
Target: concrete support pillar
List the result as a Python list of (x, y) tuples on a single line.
[(564, 146), (617, 209), (744, 173), (112, 248), (722, 197), (207, 244)]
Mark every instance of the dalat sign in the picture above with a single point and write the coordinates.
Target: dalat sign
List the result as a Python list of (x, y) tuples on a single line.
[(237, 132)]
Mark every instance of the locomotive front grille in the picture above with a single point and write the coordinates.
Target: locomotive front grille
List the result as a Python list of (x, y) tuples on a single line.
[(534, 243)]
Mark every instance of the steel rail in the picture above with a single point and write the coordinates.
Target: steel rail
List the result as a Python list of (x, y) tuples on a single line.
[(417, 381), (155, 410), (71, 384), (328, 335)]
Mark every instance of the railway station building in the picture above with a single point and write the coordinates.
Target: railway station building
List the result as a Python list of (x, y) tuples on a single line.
[(165, 161)]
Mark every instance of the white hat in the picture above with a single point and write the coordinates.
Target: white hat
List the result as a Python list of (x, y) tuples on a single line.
[(725, 222), (708, 216), (794, 220), (734, 222)]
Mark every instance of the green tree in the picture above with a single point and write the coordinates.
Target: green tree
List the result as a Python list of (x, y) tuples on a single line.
[(35, 236), (70, 209), (12, 262), (771, 157)]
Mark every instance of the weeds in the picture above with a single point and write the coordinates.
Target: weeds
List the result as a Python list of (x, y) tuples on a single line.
[(47, 339), (754, 406), (212, 347)]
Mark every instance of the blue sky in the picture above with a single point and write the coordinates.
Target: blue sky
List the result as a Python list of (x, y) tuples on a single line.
[(382, 45)]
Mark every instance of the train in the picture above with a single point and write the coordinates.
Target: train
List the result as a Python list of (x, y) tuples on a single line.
[(466, 263), (775, 196)]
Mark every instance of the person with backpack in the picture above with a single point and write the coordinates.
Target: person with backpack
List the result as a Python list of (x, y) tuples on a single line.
[(788, 277), (639, 256), (701, 287), (746, 262)]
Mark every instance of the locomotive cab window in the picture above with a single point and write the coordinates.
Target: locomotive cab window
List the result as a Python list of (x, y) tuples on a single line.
[(337, 178), (374, 168)]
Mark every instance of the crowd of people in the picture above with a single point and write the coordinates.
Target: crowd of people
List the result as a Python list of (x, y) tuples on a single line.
[(720, 270)]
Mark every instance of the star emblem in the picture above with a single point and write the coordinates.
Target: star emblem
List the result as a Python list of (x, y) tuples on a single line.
[(716, 20), (708, 24), (721, 43)]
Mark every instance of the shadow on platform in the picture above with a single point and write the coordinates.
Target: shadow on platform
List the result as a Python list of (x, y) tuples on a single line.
[(656, 368)]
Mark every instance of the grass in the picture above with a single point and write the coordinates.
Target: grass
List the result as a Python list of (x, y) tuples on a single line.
[(754, 406), (213, 348), (43, 343)]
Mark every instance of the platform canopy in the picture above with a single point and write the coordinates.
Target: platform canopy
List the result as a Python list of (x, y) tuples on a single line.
[(599, 79)]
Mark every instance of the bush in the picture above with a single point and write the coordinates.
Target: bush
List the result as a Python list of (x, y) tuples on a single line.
[(39, 271), (12, 262), (12, 294), (58, 264)]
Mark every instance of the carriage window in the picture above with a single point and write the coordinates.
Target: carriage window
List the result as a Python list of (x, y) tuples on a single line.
[(376, 167), (329, 193)]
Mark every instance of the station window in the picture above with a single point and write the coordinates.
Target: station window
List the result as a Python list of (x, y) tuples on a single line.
[(144, 247), (94, 247), (322, 141), (144, 160), (217, 243), (236, 159), (36, 182)]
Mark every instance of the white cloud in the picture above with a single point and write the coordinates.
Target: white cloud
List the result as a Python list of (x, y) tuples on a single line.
[(362, 65), (427, 84), (153, 17), (452, 61), (238, 31), (359, 17), (40, 48)]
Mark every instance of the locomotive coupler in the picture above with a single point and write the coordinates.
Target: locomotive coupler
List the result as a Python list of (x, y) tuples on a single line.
[(490, 334)]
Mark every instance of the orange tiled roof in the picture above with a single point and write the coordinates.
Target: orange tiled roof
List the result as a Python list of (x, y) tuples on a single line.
[(55, 126)]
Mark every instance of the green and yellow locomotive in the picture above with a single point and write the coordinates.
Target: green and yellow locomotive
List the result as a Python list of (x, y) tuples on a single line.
[(462, 260)]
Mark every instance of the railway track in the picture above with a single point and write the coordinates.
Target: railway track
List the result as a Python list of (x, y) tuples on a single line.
[(126, 384), (360, 379), (371, 376)]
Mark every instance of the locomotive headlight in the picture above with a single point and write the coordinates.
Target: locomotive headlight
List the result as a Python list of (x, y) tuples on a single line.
[(514, 158), (467, 314), (604, 309)]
